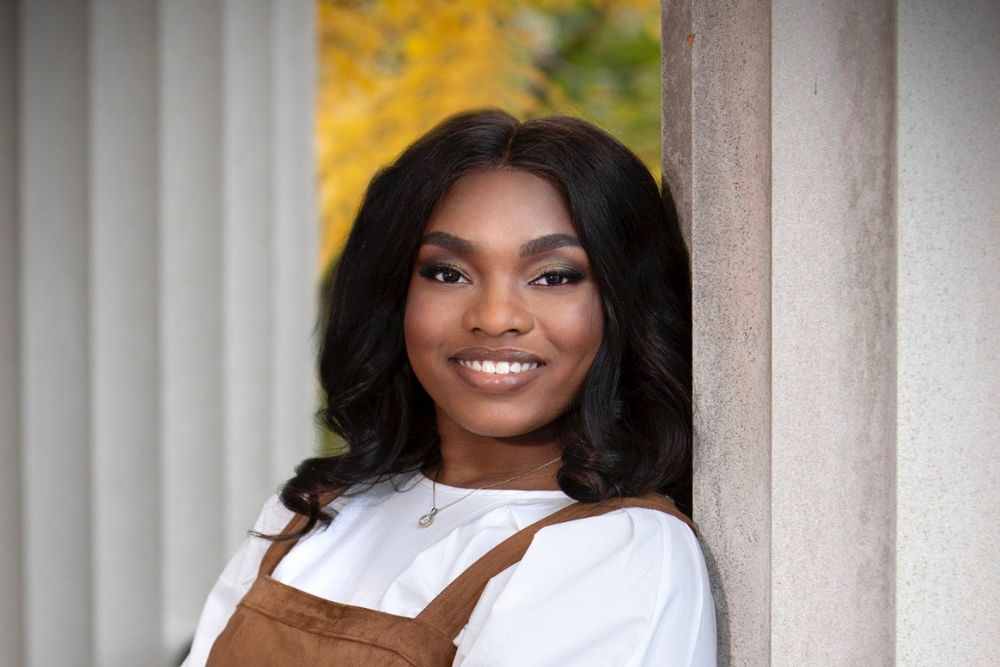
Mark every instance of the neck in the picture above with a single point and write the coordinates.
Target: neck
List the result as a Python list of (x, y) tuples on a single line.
[(469, 460)]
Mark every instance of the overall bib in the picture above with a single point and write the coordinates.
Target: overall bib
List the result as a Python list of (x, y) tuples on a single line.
[(278, 625)]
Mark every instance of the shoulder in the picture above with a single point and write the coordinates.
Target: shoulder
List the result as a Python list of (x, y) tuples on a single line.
[(628, 587), (273, 517), (634, 543), (242, 567)]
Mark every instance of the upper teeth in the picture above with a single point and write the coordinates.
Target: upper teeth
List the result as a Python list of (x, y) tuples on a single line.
[(501, 367)]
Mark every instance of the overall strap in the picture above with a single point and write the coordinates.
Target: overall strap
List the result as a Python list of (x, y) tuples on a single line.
[(451, 609), (280, 547)]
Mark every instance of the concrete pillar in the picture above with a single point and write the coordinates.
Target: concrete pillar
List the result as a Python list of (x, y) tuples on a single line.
[(10, 322), (238, 248), (948, 474), (123, 316), (55, 339), (296, 238), (191, 307), (156, 223), (833, 287), (837, 169), (716, 158), (247, 248), (269, 236)]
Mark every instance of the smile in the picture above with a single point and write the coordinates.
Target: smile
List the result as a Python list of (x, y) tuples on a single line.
[(498, 367), (501, 378)]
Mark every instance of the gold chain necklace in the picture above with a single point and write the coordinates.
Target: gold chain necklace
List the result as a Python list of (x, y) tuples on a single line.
[(427, 519)]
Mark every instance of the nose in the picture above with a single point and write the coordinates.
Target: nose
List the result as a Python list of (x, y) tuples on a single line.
[(498, 309)]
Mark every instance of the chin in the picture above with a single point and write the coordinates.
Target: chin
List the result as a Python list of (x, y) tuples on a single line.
[(501, 427), (493, 430)]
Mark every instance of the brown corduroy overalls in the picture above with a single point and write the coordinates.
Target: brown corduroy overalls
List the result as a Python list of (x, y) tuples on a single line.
[(277, 625)]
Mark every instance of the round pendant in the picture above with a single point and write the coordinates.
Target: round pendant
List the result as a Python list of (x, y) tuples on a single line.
[(427, 519)]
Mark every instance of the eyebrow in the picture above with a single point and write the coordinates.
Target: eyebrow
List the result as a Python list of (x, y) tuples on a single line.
[(534, 247)]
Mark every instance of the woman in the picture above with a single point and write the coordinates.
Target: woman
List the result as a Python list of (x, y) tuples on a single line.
[(507, 358)]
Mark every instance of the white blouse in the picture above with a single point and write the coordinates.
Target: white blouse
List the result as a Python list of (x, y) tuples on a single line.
[(624, 589)]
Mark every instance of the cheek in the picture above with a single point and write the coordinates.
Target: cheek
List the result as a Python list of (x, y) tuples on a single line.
[(415, 321), (579, 327), (424, 324)]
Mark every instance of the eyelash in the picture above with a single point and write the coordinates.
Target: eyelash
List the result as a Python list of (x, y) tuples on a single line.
[(568, 275), (431, 271)]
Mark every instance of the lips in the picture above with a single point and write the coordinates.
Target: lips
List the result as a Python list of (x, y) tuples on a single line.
[(496, 383)]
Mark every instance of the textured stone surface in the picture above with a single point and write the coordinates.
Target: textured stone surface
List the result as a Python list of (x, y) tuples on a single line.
[(10, 403), (677, 44), (844, 219), (833, 345), (948, 582), (718, 161)]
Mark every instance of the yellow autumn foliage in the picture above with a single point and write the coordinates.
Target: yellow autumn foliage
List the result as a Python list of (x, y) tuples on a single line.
[(391, 69)]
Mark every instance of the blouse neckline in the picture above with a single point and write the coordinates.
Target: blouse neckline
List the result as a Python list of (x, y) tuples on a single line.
[(510, 494)]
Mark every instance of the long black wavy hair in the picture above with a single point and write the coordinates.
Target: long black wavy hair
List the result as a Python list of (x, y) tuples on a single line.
[(629, 431)]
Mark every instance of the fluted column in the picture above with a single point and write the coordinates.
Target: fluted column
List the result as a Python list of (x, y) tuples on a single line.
[(55, 333), (833, 323), (717, 160), (123, 264), (191, 306), (11, 568), (247, 264), (836, 166), (157, 290), (296, 237), (948, 328)]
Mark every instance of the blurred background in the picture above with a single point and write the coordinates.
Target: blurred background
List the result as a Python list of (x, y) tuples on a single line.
[(390, 69)]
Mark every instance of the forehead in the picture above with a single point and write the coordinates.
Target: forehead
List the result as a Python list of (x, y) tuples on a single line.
[(502, 205)]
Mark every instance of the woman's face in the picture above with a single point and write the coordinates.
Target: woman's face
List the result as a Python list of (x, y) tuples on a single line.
[(503, 317)]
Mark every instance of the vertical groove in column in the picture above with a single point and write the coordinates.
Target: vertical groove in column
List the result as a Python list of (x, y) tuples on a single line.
[(677, 44), (833, 333), (247, 249), (720, 154), (10, 367), (123, 259), (191, 306), (296, 222), (54, 333)]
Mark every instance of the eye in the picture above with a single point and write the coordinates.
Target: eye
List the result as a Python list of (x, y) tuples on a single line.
[(443, 273), (557, 278)]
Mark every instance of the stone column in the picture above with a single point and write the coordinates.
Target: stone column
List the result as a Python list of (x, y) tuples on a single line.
[(716, 158), (237, 295), (123, 317), (157, 268), (837, 169), (247, 248), (11, 569), (191, 307), (296, 270), (55, 334), (833, 292), (948, 328)]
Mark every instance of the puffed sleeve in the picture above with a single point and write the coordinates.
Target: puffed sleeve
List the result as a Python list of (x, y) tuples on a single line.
[(624, 589), (235, 581)]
